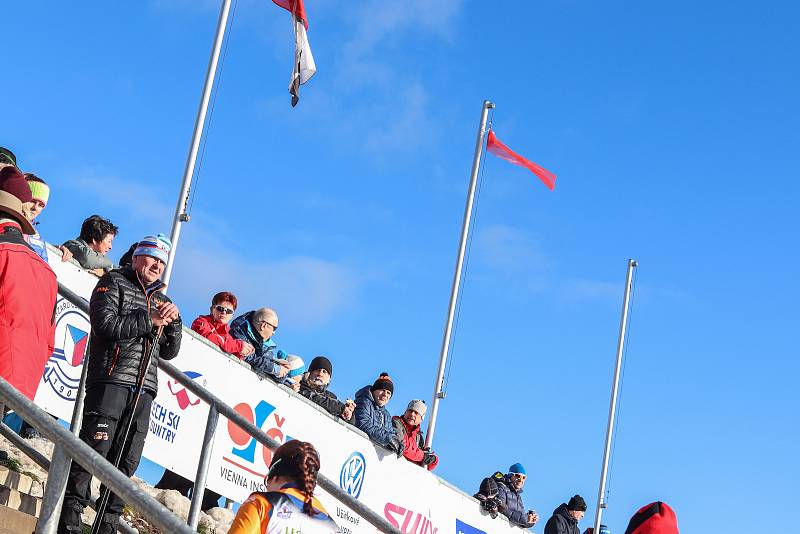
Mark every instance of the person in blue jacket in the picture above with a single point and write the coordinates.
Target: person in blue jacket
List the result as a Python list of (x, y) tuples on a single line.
[(506, 492), (257, 327), (371, 414)]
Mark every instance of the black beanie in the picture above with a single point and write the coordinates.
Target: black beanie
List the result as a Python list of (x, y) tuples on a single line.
[(383, 382), (321, 362), (577, 504)]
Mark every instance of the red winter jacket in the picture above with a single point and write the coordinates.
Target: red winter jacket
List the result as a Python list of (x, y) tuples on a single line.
[(412, 442), (219, 334), (27, 301)]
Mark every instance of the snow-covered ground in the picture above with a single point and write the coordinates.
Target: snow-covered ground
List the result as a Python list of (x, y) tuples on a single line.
[(218, 520)]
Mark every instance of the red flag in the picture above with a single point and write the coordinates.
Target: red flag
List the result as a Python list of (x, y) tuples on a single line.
[(500, 150)]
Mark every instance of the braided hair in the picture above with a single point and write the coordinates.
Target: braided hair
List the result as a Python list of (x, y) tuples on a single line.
[(299, 461)]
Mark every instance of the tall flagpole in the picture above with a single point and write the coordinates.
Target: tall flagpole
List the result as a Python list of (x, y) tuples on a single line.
[(180, 208), (612, 412), (438, 394)]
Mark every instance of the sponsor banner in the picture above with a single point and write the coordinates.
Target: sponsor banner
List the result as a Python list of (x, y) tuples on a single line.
[(407, 496)]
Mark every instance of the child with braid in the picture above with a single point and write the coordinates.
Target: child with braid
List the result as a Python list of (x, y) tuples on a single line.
[(288, 505)]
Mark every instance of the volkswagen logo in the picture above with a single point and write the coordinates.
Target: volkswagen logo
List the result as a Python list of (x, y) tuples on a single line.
[(351, 478)]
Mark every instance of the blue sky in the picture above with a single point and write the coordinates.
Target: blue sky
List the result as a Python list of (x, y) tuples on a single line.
[(672, 129)]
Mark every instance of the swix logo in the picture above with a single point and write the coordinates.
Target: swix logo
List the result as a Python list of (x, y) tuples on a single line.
[(407, 520), (260, 417), (184, 397), (63, 370), (351, 477)]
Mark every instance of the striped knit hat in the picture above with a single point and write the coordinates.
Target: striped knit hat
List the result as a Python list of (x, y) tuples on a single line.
[(383, 382), (39, 189), (297, 366), (157, 246)]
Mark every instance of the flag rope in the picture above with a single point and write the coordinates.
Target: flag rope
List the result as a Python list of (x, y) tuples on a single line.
[(473, 224), (621, 388), (211, 110)]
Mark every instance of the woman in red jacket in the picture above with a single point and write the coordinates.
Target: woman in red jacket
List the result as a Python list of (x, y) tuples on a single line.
[(214, 327)]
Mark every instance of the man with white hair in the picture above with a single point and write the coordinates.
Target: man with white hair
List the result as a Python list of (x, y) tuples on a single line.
[(257, 328), (409, 433), (133, 326)]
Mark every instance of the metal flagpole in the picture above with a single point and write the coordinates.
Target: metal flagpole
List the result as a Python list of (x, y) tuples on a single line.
[(438, 394), (632, 264), (180, 208)]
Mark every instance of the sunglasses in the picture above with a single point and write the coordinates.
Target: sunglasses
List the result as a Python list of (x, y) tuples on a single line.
[(519, 476), (223, 309), (274, 328)]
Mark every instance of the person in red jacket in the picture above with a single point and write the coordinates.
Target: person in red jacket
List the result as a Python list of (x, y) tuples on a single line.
[(27, 291), (214, 326), (408, 432)]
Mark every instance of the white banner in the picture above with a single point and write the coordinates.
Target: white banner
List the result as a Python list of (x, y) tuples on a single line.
[(408, 496)]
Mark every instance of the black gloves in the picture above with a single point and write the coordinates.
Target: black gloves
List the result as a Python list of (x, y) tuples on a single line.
[(428, 459)]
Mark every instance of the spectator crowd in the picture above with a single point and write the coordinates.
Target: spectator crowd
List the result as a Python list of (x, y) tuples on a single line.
[(132, 319)]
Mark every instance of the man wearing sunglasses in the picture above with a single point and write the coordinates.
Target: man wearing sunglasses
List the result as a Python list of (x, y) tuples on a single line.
[(214, 326), (508, 496), (257, 328)]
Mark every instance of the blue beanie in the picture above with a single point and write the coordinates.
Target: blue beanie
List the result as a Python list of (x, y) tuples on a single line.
[(157, 246), (517, 468)]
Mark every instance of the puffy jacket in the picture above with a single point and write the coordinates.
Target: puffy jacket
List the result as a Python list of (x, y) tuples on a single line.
[(122, 333), (87, 257), (218, 333), (515, 510), (413, 442), (27, 302), (321, 396), (266, 351), (562, 522), (374, 420)]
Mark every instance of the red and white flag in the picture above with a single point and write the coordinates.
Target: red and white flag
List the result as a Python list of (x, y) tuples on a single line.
[(500, 150), (304, 66)]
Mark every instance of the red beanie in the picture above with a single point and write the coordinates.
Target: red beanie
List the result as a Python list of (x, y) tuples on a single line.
[(655, 518), (12, 181)]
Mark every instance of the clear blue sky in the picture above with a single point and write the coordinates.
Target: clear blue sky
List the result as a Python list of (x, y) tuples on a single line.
[(673, 132)]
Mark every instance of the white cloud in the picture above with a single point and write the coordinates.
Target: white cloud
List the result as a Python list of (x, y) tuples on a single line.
[(306, 291), (582, 290), (510, 250)]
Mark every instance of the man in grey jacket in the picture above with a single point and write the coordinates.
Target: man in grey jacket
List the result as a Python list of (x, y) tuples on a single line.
[(94, 242)]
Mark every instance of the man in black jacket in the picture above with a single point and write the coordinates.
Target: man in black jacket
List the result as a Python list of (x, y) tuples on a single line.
[(314, 387), (565, 517), (128, 315)]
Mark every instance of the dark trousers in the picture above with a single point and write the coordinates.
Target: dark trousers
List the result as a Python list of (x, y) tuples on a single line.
[(174, 481), (105, 415)]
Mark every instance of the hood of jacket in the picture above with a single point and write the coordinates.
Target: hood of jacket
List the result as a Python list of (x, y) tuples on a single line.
[(410, 430), (242, 326), (563, 512)]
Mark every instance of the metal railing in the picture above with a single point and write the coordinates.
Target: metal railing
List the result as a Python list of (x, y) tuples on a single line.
[(68, 446), (216, 407)]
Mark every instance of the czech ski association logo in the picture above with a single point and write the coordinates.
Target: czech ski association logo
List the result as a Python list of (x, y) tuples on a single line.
[(63, 370), (351, 478), (184, 397)]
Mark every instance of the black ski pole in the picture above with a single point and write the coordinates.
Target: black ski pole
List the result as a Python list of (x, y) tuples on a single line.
[(102, 503)]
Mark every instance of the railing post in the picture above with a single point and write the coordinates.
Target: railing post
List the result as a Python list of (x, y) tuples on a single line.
[(54, 491), (202, 467)]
